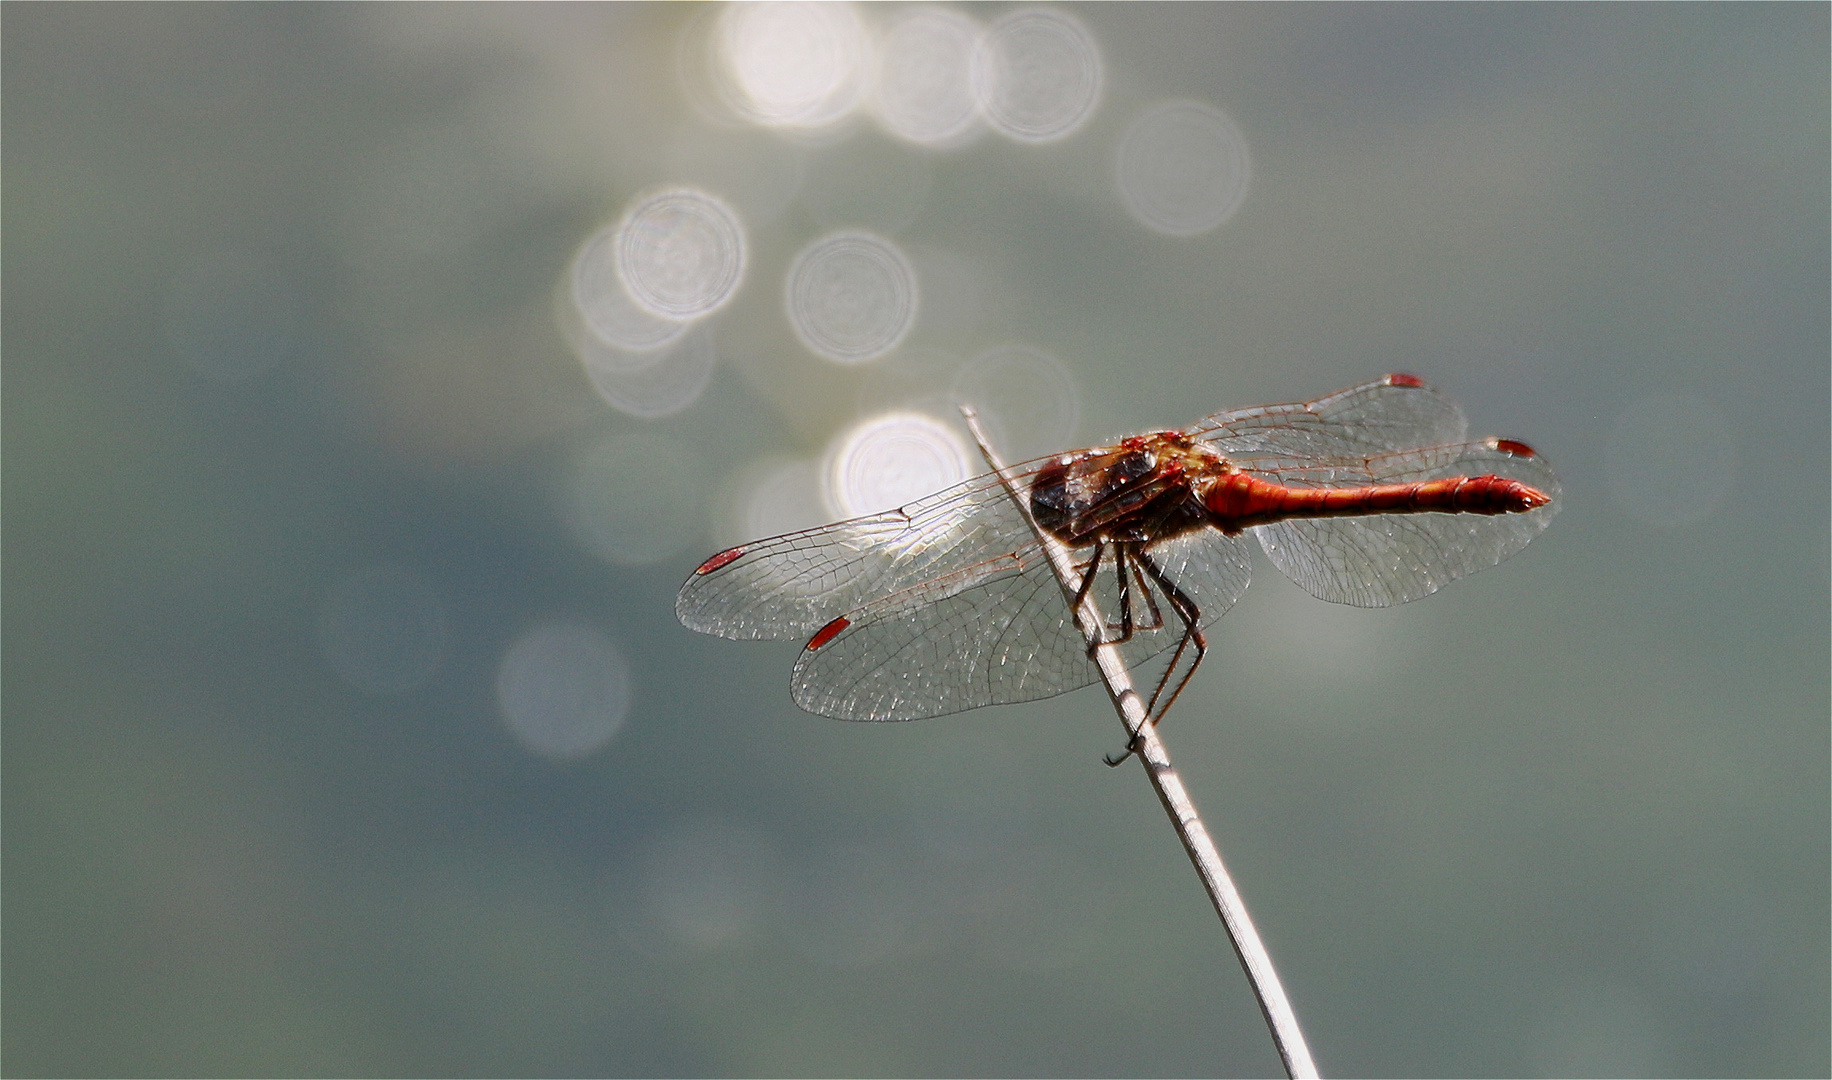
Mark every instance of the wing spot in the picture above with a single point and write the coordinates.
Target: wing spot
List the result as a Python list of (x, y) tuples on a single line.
[(1510, 446), (828, 633), (723, 558)]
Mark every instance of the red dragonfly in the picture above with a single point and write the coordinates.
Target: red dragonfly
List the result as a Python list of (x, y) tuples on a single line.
[(1372, 496)]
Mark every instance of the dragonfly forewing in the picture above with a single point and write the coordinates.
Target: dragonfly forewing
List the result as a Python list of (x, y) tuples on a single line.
[(788, 587), (1393, 413)]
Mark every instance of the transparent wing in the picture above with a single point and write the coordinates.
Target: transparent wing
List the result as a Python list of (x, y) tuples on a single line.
[(790, 586), (1384, 559), (1397, 412), (1000, 633)]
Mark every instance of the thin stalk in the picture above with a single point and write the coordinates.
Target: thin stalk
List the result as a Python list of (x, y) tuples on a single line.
[(1254, 959)]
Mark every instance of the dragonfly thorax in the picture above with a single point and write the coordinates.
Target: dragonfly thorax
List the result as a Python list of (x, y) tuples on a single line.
[(1141, 491)]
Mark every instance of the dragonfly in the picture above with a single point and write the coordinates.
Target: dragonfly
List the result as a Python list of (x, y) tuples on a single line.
[(1373, 496)]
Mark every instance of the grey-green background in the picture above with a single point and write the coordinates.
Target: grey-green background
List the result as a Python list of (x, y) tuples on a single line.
[(1567, 817)]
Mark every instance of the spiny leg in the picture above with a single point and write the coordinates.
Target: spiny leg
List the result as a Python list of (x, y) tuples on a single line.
[(1157, 617), (1087, 577), (1122, 553), (1191, 615)]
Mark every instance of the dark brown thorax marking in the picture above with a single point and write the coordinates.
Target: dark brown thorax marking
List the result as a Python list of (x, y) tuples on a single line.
[(1137, 492)]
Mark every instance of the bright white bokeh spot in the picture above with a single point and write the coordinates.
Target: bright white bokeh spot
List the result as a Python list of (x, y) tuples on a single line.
[(1671, 459), (605, 306), (1026, 398), (564, 689), (231, 316), (383, 629), (798, 65), (1037, 74), (890, 460), (924, 87), (706, 882), (626, 502), (851, 296), (679, 253), (1182, 168)]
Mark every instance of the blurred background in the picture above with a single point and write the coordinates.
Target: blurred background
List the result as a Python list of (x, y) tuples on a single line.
[(374, 376)]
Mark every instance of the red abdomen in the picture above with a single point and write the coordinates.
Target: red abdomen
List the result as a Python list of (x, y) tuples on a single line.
[(1240, 500)]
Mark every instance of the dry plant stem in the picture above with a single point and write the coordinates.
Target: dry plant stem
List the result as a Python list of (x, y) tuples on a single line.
[(1143, 739)]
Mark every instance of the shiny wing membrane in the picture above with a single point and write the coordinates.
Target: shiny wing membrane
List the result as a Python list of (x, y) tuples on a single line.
[(1397, 412), (949, 604), (788, 587), (1005, 638)]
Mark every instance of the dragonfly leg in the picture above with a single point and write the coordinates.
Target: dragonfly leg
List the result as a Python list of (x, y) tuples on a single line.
[(1145, 590), (1121, 555), (1191, 614), (1087, 585)]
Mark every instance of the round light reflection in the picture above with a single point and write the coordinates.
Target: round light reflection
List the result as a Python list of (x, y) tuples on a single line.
[(652, 384), (793, 64), (851, 296), (924, 89), (1037, 74), (891, 460), (564, 689), (605, 307), (1182, 168), (680, 253)]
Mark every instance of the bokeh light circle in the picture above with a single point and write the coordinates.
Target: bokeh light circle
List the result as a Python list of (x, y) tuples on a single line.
[(1027, 400), (924, 87), (667, 383), (383, 629), (599, 296), (1182, 168), (564, 689), (851, 296), (793, 64), (890, 460), (1037, 74), (680, 253)]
